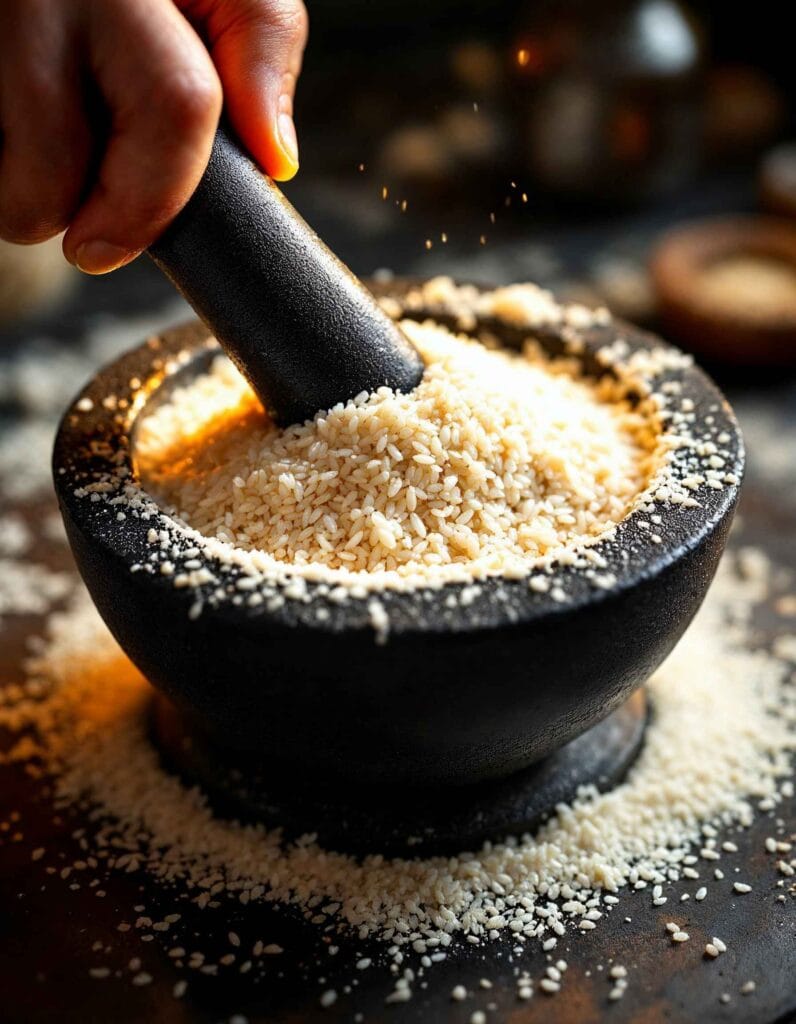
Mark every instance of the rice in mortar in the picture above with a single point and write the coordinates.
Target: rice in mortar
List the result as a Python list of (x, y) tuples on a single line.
[(495, 460)]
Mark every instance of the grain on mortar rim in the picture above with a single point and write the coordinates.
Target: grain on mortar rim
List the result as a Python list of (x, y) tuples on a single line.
[(690, 465)]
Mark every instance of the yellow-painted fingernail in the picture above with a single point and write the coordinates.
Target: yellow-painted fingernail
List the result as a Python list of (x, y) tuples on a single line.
[(288, 139)]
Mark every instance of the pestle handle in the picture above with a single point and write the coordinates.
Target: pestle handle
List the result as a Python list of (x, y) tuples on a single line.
[(301, 328)]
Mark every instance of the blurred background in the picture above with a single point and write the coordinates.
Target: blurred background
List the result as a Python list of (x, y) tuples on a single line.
[(558, 141)]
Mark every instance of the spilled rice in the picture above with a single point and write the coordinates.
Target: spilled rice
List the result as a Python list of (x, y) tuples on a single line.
[(718, 747)]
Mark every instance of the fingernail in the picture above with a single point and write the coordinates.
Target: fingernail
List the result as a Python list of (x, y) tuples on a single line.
[(100, 257), (288, 139)]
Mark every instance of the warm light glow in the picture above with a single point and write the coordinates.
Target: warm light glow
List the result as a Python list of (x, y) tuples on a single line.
[(192, 454), (530, 57)]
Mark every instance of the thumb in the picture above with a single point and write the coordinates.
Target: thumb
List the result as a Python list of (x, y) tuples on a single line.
[(257, 46)]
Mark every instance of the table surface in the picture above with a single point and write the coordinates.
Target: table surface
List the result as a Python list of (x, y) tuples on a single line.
[(49, 933)]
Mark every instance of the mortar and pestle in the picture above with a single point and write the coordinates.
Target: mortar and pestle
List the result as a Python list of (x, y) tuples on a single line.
[(475, 719)]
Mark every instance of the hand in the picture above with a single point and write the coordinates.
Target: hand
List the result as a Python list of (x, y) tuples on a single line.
[(108, 110)]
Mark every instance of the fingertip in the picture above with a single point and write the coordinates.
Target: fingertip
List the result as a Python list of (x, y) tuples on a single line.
[(280, 166), (275, 151), (286, 173), (288, 142), (96, 256)]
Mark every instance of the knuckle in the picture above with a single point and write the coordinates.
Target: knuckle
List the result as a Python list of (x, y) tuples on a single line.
[(193, 100)]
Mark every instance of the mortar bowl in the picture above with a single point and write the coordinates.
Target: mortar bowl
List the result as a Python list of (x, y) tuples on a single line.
[(459, 691)]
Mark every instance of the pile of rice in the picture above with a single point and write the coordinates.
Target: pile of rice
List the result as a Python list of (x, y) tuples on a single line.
[(495, 460)]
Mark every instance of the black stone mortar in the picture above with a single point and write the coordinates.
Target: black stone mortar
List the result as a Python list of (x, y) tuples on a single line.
[(313, 716)]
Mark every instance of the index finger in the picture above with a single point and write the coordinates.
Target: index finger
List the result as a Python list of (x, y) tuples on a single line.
[(164, 107)]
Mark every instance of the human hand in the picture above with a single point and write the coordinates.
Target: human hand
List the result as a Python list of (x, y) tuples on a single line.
[(108, 110)]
